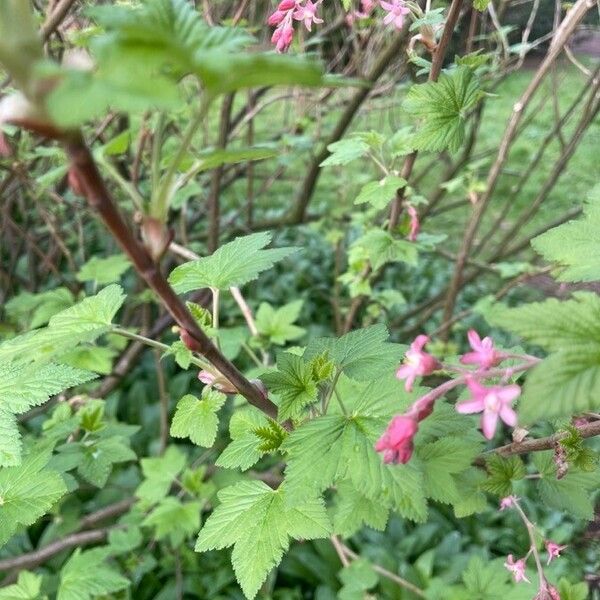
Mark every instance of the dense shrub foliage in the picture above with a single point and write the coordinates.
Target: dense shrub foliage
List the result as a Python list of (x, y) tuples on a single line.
[(299, 300)]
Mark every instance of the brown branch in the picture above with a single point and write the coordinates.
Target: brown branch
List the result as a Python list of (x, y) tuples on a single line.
[(518, 187), (439, 55), (107, 512), (313, 172), (547, 443), (573, 18), (37, 557), (100, 199), (56, 18)]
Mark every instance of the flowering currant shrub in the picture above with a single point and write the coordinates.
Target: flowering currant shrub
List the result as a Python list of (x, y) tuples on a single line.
[(222, 381)]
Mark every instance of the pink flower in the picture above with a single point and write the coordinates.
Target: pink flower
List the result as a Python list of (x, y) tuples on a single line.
[(495, 402), (396, 11), (484, 354), (396, 443), (553, 593), (283, 35), (554, 550), (282, 18), (308, 14), (276, 18), (217, 381), (416, 363), (517, 568), (508, 502), (367, 7), (414, 223)]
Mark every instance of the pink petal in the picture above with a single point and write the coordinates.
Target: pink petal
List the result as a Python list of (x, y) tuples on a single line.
[(508, 393), (405, 371), (420, 340), (487, 343), (509, 416), (489, 421), (386, 6), (470, 358), (410, 380), (388, 19), (469, 407), (474, 339), (478, 390)]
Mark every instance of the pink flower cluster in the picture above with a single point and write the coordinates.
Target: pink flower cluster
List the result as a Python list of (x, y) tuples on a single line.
[(494, 402), (289, 11), (517, 567), (283, 20)]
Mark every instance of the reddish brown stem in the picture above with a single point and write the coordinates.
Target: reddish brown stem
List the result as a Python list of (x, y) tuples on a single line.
[(100, 199)]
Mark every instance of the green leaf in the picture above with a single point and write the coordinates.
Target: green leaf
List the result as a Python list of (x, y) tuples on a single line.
[(567, 590), (36, 309), (83, 322), (471, 499), (10, 439), (443, 459), (25, 386), (489, 580), (86, 575), (160, 473), (22, 387), (258, 523), (271, 436), (573, 493), (210, 159), (28, 587), (574, 245), (568, 380), (197, 418), (363, 354), (294, 384), (380, 193), (100, 456), (104, 270), (223, 73), (345, 151), (353, 509), (174, 520), (277, 324), (502, 473), (357, 577), (443, 106), (379, 248), (233, 264), (480, 5), (244, 448), (27, 492), (97, 358), (335, 447)]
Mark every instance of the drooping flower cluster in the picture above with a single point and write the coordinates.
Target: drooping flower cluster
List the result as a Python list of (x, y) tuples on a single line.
[(305, 11), (493, 402), (396, 443), (517, 567), (283, 20)]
